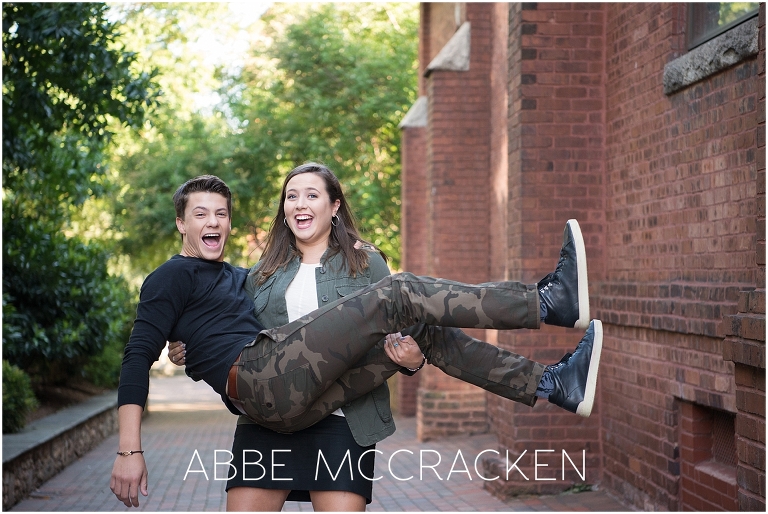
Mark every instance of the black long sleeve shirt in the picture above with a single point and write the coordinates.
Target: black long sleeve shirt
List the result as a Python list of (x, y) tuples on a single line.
[(197, 301)]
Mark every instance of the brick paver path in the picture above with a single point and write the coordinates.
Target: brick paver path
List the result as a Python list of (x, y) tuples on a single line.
[(188, 419)]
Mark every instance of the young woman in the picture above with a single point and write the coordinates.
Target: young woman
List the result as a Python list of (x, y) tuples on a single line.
[(314, 255)]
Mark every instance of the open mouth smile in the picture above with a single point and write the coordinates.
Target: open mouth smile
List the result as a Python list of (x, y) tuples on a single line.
[(303, 221), (211, 240)]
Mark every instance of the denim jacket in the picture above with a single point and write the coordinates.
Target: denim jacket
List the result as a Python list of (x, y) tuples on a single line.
[(369, 417)]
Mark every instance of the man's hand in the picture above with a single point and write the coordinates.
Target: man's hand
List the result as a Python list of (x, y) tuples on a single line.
[(177, 352), (129, 473), (129, 476)]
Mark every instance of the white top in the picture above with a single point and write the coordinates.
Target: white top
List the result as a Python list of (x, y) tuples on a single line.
[(301, 297)]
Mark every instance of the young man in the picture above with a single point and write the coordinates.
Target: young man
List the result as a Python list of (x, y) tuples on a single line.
[(290, 377)]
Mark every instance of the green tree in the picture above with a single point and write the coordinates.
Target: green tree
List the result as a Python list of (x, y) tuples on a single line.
[(329, 82), (323, 82), (66, 80), (188, 137), (68, 84)]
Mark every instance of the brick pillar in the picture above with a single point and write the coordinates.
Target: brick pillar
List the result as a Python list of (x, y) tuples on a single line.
[(556, 165), (458, 133), (413, 230), (745, 340), (745, 346)]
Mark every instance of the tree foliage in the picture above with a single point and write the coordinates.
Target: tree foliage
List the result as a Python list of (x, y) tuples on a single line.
[(18, 398), (65, 81), (60, 305), (67, 86), (186, 138), (324, 82), (330, 82)]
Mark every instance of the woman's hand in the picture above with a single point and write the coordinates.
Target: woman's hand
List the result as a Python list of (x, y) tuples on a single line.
[(177, 352), (403, 351)]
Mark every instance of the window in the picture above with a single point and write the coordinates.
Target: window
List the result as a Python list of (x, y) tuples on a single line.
[(724, 438), (708, 20), (707, 459)]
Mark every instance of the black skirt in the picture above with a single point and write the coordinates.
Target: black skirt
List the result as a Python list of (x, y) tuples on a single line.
[(323, 457)]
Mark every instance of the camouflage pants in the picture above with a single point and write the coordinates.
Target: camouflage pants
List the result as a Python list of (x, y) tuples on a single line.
[(293, 376)]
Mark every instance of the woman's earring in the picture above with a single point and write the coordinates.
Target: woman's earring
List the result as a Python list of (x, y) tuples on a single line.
[(285, 222), (334, 217)]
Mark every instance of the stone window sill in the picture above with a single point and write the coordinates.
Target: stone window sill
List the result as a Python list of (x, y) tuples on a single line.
[(727, 49)]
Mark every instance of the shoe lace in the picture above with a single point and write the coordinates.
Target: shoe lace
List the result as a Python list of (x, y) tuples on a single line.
[(547, 281), (561, 363), (561, 262)]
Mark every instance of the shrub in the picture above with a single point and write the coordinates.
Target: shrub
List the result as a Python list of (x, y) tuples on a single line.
[(103, 370), (18, 398), (61, 306)]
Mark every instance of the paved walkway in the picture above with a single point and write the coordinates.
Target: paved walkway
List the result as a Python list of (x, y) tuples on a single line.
[(187, 419)]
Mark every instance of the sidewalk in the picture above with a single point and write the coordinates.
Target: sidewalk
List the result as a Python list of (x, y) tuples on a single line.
[(187, 420)]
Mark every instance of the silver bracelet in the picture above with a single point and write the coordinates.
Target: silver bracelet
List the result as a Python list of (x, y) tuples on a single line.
[(423, 361)]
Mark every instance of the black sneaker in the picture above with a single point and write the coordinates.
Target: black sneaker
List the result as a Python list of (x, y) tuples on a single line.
[(565, 292), (575, 376)]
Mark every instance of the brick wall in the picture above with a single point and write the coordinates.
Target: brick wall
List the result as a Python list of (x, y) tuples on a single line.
[(413, 151), (413, 231), (681, 186), (745, 346), (414, 200), (425, 48), (706, 484)]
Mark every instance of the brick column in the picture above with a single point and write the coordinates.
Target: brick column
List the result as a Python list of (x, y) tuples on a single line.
[(458, 133), (745, 339), (556, 164), (413, 230), (745, 346)]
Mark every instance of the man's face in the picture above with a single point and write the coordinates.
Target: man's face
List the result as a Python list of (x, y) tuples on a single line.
[(205, 227)]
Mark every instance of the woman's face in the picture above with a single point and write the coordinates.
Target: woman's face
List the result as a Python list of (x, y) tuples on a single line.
[(308, 209)]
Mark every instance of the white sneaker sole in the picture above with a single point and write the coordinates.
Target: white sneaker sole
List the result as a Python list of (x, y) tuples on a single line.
[(585, 407), (581, 266)]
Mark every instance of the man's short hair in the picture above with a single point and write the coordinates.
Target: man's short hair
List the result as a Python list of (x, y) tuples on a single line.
[(201, 184)]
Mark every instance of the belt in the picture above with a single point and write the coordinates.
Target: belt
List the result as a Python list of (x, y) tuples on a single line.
[(232, 387)]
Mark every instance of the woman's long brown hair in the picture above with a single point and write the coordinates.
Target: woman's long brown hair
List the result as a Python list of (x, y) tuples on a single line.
[(280, 245)]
